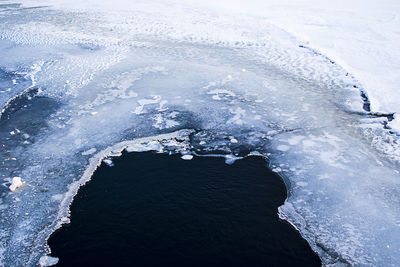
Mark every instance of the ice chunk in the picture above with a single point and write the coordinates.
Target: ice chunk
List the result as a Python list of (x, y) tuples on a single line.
[(234, 140), (187, 157), (46, 260), (108, 162), (276, 169), (16, 183), (230, 159)]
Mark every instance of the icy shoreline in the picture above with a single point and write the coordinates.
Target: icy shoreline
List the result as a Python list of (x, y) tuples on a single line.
[(147, 175), (180, 143), (147, 144)]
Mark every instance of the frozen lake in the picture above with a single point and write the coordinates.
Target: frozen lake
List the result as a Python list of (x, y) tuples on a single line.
[(77, 86)]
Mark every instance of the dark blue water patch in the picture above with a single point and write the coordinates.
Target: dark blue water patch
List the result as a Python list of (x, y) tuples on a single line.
[(158, 210), (22, 123), (28, 113)]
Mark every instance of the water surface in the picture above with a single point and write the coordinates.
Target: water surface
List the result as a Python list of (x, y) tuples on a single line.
[(158, 210)]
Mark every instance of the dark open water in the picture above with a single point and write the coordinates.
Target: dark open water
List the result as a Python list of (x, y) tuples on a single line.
[(158, 210)]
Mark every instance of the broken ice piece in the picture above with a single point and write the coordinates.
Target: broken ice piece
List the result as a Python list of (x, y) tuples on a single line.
[(234, 140), (109, 162), (16, 183), (45, 261), (187, 157)]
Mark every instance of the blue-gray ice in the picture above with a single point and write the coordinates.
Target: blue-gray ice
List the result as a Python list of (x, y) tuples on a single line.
[(72, 84)]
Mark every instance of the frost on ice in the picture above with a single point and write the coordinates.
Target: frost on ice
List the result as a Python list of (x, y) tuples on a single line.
[(82, 86)]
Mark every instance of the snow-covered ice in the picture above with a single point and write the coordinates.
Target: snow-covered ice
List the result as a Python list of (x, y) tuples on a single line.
[(310, 85)]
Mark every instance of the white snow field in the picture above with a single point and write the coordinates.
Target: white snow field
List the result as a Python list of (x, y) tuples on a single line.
[(311, 85)]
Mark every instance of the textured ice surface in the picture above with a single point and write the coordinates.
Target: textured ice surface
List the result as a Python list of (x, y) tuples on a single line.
[(78, 86)]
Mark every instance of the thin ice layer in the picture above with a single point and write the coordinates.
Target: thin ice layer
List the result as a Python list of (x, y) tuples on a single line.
[(244, 85)]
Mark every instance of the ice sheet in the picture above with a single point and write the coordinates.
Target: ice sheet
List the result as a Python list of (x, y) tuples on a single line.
[(98, 76)]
